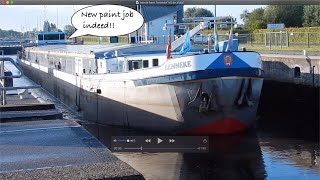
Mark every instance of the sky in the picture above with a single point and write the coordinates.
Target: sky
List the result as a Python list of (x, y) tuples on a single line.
[(25, 18)]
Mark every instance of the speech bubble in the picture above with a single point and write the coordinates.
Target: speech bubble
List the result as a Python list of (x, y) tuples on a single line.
[(106, 20)]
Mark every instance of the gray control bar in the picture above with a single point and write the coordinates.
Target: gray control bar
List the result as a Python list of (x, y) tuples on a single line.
[(159, 2), (186, 144)]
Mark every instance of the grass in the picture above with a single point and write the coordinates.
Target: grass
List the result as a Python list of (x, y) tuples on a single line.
[(291, 48)]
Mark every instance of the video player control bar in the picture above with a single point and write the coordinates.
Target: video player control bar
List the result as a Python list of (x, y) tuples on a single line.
[(160, 2), (186, 144)]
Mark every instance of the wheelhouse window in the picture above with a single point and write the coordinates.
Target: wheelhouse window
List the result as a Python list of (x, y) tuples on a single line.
[(135, 64), (51, 37), (155, 62), (145, 63), (40, 37)]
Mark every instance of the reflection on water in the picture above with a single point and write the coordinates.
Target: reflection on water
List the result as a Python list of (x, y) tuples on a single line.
[(290, 158), (248, 155), (242, 156)]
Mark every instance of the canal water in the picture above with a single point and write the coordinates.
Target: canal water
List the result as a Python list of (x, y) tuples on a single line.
[(249, 155), (256, 154)]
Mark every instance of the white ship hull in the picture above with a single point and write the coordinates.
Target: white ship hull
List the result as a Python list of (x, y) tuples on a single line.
[(197, 94)]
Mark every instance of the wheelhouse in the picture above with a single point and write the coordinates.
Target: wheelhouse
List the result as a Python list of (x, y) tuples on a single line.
[(44, 38)]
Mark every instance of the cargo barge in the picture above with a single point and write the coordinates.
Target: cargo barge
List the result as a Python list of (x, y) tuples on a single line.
[(125, 85)]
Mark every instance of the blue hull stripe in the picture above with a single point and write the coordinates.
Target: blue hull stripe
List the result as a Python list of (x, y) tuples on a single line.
[(198, 75)]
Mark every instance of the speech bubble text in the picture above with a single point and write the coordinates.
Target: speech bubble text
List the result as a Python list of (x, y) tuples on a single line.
[(106, 20)]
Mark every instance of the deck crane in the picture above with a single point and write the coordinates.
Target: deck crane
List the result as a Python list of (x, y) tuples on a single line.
[(203, 22)]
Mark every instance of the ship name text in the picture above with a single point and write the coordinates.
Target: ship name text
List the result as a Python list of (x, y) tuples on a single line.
[(178, 65)]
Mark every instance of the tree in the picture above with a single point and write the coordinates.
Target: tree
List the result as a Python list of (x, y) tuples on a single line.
[(46, 26), (68, 29), (9, 34), (225, 19), (53, 27), (311, 15), (290, 15), (197, 12), (245, 15), (254, 20)]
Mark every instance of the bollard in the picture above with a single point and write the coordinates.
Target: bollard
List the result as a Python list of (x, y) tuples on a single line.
[(313, 76), (3, 92)]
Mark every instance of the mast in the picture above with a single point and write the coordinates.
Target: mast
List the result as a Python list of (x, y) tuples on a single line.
[(57, 20), (215, 25)]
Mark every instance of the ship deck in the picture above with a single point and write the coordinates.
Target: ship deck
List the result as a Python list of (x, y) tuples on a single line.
[(87, 49), (99, 50)]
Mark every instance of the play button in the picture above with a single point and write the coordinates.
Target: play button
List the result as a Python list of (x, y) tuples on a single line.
[(159, 140)]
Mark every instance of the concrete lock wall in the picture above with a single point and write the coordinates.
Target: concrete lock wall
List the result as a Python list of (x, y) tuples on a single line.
[(290, 100), (292, 69), (59, 89)]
